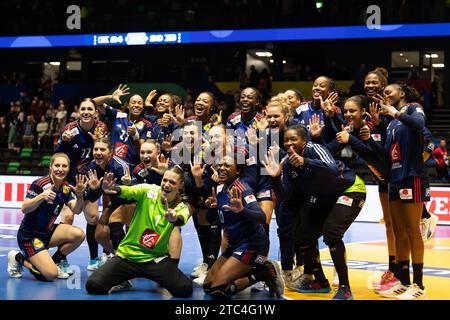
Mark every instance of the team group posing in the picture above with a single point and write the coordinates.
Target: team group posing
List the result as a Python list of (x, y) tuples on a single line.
[(156, 169)]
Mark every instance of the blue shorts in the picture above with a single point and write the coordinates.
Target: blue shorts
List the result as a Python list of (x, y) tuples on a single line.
[(410, 190), (30, 245), (255, 257)]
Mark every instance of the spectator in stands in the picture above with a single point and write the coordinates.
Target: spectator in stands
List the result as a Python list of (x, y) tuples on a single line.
[(75, 115), (3, 132), (61, 114), (441, 158), (254, 76), (35, 109), (42, 132), (29, 132)]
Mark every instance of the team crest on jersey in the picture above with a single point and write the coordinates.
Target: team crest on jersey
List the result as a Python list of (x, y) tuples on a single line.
[(260, 259), (139, 125), (143, 173), (120, 150), (405, 194), (66, 189), (376, 137), (99, 131), (37, 244), (345, 200), (149, 238)]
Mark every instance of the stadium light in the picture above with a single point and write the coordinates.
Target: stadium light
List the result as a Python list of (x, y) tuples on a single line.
[(263, 54)]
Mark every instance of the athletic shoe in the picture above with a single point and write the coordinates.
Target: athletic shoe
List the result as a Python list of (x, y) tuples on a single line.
[(259, 286), (388, 284), (288, 278), (343, 293), (65, 267), (385, 278), (276, 283), (300, 281), (428, 226), (199, 270), (413, 292), (200, 279), (93, 264), (61, 273), (14, 268), (314, 286), (335, 281), (121, 287), (297, 272), (390, 291), (104, 259)]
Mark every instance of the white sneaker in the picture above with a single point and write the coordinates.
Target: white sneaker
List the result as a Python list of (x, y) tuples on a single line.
[(297, 272), (61, 273), (335, 282), (104, 259), (200, 279), (65, 267), (393, 291), (201, 269), (259, 286), (288, 278), (93, 264), (14, 268), (413, 292), (428, 226)]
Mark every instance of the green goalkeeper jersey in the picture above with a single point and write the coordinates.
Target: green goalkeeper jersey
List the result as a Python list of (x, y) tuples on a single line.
[(148, 236)]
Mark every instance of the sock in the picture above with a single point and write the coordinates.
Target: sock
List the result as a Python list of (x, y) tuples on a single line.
[(203, 237), (425, 213), (20, 258), (58, 256), (299, 261), (117, 233), (215, 238), (312, 263), (392, 265), (403, 272), (418, 274), (92, 243), (176, 261), (337, 251)]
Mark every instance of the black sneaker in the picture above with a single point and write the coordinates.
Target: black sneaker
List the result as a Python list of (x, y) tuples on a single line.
[(343, 293), (276, 282)]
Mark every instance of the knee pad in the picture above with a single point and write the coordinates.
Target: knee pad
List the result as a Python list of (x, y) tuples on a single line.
[(222, 292), (35, 272)]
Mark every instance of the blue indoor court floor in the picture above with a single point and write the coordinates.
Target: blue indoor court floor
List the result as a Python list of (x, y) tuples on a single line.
[(366, 254)]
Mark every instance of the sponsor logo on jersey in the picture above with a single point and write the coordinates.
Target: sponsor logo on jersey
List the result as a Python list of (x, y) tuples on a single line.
[(121, 115), (120, 150), (302, 107), (250, 199), (74, 131), (31, 193), (345, 200), (236, 119), (149, 238), (361, 203), (406, 194), (420, 110), (47, 186), (238, 253), (263, 194), (152, 194), (376, 137), (99, 131), (395, 153), (37, 244), (75, 146)]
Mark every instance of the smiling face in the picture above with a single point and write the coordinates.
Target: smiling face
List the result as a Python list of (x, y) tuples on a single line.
[(203, 105), (59, 169), (372, 85), (293, 139), (353, 114), (276, 117), (102, 153), (321, 87), (217, 137), (394, 95), (135, 105), (171, 185), (163, 103), (227, 170), (292, 99), (88, 112), (148, 154), (191, 136), (248, 100)]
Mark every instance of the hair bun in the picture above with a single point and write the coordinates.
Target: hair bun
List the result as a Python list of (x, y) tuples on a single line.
[(383, 71)]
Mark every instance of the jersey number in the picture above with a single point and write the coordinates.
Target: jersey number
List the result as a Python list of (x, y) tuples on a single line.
[(124, 135), (86, 153)]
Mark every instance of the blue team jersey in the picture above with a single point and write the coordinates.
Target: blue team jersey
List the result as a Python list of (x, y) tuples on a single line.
[(244, 229), (122, 143), (405, 144), (79, 149), (304, 112), (236, 123), (160, 132), (143, 175), (320, 176), (39, 222)]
